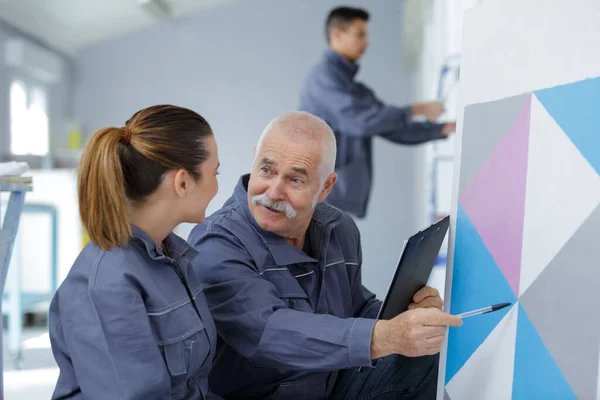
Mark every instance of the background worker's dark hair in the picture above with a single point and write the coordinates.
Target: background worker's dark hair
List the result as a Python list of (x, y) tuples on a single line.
[(122, 166), (341, 17)]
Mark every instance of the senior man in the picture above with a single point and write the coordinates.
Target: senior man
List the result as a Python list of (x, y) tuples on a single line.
[(281, 271)]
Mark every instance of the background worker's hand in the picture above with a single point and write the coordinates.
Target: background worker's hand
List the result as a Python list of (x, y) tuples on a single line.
[(413, 333), (427, 297), (431, 110), (448, 129)]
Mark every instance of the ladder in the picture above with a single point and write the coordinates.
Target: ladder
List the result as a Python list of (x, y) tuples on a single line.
[(8, 232), (447, 82)]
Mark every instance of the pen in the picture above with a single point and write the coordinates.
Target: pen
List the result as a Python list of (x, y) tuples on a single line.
[(484, 310)]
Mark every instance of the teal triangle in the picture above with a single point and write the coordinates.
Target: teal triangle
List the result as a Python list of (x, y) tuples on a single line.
[(536, 375), (574, 107), (477, 282)]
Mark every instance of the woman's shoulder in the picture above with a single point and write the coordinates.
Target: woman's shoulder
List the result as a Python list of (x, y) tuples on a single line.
[(96, 268)]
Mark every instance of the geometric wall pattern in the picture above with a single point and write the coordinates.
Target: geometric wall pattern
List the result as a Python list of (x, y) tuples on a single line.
[(528, 232)]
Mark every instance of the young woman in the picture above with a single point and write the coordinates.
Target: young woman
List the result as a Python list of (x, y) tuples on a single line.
[(130, 320)]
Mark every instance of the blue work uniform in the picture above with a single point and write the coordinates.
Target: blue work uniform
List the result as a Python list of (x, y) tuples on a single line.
[(288, 321), (132, 323), (356, 115)]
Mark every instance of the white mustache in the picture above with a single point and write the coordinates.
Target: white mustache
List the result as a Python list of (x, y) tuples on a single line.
[(281, 206)]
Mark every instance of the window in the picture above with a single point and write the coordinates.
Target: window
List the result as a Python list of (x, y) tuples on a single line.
[(445, 40), (29, 125), (445, 36)]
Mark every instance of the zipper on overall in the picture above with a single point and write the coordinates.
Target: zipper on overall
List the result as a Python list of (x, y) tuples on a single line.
[(187, 288)]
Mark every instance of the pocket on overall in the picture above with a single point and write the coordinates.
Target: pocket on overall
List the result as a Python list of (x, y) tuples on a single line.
[(181, 334)]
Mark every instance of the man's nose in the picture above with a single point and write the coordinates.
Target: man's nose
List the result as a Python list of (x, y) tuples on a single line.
[(276, 190)]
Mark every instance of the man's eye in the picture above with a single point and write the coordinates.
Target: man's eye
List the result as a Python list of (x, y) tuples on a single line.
[(296, 180), (265, 170)]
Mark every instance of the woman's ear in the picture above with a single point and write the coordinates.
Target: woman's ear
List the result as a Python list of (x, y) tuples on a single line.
[(181, 182)]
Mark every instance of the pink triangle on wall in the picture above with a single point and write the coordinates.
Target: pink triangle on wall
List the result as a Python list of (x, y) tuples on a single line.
[(495, 199)]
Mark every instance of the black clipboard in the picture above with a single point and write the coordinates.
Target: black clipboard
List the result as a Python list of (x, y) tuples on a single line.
[(414, 268)]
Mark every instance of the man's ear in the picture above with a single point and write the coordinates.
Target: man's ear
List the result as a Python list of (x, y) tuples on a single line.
[(331, 180), (334, 33)]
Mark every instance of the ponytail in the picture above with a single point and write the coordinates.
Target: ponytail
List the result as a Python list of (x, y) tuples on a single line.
[(103, 205)]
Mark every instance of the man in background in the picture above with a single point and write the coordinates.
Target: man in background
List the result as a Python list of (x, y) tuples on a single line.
[(355, 114)]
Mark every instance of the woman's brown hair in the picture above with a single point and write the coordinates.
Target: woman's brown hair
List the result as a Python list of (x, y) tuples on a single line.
[(122, 165)]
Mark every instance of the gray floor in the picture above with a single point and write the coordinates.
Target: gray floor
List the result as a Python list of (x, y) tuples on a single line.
[(38, 373)]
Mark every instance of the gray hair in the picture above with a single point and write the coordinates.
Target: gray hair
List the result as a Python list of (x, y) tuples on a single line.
[(300, 123)]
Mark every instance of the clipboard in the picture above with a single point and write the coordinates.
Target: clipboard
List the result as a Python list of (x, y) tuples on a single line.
[(415, 264)]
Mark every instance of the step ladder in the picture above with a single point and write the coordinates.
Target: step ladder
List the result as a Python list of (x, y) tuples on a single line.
[(8, 231)]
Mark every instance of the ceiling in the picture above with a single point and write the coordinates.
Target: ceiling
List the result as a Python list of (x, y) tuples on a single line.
[(69, 25)]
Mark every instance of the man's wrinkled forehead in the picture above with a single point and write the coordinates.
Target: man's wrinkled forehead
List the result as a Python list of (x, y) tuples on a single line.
[(301, 153)]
